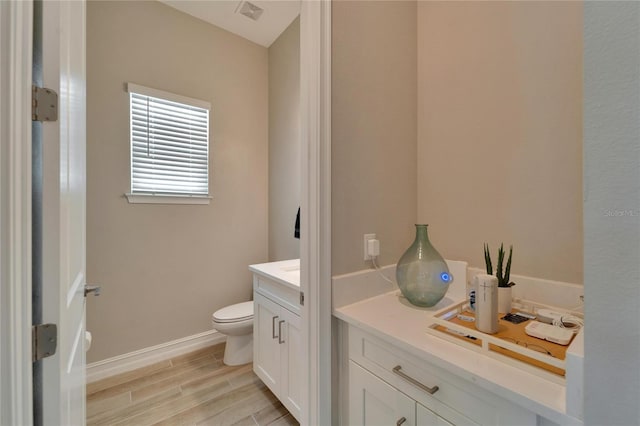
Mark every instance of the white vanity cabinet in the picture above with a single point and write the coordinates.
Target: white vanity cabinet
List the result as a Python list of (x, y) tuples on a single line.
[(277, 345), (392, 387), (426, 417), (375, 402)]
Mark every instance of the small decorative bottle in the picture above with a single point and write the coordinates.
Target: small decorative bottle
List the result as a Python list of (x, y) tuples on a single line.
[(422, 274), (486, 287)]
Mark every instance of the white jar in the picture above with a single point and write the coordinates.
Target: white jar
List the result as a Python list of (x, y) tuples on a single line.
[(486, 287)]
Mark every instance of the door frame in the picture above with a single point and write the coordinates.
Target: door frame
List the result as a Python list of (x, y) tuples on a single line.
[(16, 38), (16, 41), (315, 247)]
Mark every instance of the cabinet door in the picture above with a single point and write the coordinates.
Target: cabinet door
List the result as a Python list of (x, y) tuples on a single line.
[(291, 364), (373, 402), (426, 417), (266, 349)]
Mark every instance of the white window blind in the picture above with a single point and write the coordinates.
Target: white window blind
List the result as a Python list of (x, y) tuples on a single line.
[(169, 143)]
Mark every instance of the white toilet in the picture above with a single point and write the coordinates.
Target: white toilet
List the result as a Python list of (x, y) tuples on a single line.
[(236, 321)]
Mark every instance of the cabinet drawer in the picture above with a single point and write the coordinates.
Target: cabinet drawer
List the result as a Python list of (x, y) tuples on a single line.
[(457, 400), (376, 403), (283, 295)]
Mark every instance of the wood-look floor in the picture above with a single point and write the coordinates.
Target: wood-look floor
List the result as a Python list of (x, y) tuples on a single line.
[(192, 389)]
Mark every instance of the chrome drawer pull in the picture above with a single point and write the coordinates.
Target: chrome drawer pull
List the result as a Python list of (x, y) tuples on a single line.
[(280, 341), (401, 420), (273, 327), (413, 381)]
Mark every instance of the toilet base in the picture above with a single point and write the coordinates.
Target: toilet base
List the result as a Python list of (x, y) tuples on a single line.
[(238, 350)]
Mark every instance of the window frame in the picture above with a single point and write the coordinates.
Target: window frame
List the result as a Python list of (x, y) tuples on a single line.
[(167, 198)]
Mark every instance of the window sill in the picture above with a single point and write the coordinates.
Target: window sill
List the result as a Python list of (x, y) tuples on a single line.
[(167, 199)]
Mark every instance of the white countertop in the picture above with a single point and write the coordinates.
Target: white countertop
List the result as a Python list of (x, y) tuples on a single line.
[(286, 272), (391, 317)]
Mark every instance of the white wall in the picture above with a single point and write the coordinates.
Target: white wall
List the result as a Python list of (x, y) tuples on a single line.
[(165, 269), (284, 143), (500, 132), (424, 91), (612, 212), (373, 134)]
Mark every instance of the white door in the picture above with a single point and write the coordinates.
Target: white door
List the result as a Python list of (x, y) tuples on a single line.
[(266, 334), (373, 402), (64, 182), (291, 362)]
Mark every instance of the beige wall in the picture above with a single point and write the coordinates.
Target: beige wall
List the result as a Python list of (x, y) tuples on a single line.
[(500, 132), (166, 268), (284, 143), (373, 135)]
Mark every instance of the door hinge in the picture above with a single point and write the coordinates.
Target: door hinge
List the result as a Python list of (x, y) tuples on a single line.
[(302, 298), (44, 340), (44, 104)]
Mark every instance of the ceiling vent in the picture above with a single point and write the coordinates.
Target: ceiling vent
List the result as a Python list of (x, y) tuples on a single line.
[(249, 10)]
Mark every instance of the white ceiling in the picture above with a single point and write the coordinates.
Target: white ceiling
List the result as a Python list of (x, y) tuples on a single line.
[(277, 16)]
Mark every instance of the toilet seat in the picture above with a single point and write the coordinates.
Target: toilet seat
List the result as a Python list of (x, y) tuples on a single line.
[(235, 313)]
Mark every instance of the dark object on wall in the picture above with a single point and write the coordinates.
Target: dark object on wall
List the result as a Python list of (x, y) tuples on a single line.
[(296, 232)]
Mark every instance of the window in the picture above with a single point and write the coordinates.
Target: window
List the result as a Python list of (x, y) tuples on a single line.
[(169, 147)]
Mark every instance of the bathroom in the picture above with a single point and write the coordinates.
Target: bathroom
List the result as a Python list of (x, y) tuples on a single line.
[(487, 96), (166, 268)]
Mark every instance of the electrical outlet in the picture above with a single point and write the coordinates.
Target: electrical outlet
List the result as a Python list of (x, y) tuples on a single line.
[(368, 237)]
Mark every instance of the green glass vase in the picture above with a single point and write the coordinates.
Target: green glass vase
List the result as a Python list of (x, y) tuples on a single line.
[(421, 273)]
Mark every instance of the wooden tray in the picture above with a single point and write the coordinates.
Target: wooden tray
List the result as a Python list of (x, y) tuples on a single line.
[(509, 342)]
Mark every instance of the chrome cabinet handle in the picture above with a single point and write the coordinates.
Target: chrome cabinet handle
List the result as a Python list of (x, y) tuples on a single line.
[(273, 327), (95, 289), (401, 420), (280, 341), (397, 370)]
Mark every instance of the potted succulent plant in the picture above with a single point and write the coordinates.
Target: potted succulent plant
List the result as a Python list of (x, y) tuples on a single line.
[(504, 284)]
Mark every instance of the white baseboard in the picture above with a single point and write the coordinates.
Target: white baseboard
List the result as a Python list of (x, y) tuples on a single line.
[(122, 363)]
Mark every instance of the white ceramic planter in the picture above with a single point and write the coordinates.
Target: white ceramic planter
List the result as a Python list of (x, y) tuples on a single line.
[(504, 299)]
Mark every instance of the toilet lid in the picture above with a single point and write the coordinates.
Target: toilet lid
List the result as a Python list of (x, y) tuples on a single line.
[(233, 313)]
